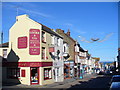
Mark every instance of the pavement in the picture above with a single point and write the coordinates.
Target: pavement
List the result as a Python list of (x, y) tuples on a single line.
[(65, 84)]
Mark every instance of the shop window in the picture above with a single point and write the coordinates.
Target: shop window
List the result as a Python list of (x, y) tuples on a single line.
[(5, 53), (13, 72), (22, 73), (67, 71), (43, 53), (43, 37), (47, 73)]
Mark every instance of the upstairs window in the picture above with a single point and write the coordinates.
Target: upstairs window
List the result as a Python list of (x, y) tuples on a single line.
[(43, 53), (5, 53), (52, 39), (43, 36), (58, 42)]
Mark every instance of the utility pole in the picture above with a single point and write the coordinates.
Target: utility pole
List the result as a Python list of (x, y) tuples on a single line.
[(2, 37)]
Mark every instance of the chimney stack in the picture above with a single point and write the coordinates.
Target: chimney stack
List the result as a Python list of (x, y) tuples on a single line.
[(59, 31), (68, 33)]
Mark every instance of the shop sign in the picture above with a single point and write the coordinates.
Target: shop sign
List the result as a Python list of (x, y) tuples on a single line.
[(46, 64), (22, 42), (27, 64), (34, 42)]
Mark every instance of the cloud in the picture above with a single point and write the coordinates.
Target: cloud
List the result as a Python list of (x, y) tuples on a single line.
[(80, 32), (33, 12), (68, 24)]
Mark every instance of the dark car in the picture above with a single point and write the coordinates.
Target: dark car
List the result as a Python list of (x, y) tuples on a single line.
[(108, 72), (101, 73)]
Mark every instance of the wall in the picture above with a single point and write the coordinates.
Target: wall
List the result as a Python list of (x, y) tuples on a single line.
[(59, 63), (20, 29), (26, 79), (70, 42)]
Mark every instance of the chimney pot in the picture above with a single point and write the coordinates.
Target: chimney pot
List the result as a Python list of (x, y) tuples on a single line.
[(68, 33)]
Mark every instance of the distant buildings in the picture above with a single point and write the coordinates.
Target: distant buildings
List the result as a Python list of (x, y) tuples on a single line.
[(36, 54), (118, 59)]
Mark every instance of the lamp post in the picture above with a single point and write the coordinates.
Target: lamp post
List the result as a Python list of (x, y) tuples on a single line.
[(114, 65)]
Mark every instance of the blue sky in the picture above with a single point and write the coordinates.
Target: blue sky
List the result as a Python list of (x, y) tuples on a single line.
[(87, 19)]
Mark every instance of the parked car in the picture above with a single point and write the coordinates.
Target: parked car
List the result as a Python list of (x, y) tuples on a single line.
[(101, 73), (108, 72), (115, 86), (115, 78)]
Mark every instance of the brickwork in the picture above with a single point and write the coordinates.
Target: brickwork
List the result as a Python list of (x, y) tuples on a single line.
[(70, 41)]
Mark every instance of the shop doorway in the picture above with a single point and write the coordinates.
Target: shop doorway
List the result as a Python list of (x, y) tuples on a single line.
[(34, 75)]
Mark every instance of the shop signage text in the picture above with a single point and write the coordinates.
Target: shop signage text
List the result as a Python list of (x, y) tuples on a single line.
[(34, 42)]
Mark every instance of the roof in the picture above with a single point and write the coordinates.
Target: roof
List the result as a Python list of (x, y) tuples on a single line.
[(116, 75), (4, 44), (115, 86), (45, 28), (70, 37), (49, 30), (80, 48)]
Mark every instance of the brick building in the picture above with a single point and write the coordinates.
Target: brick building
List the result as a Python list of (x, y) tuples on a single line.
[(69, 55)]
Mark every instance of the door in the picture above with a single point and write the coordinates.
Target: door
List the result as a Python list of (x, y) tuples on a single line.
[(34, 75)]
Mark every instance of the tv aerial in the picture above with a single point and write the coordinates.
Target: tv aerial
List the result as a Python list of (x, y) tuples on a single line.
[(83, 39)]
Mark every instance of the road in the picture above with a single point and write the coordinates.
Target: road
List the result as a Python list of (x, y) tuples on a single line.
[(98, 82), (93, 82)]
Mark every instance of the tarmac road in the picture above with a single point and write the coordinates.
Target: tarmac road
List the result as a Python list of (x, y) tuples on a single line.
[(100, 82), (90, 82)]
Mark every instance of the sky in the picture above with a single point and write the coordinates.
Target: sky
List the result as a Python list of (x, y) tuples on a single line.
[(86, 19)]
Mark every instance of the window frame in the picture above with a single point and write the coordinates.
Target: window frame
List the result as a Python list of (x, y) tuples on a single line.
[(43, 37), (47, 73), (5, 53), (43, 57)]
